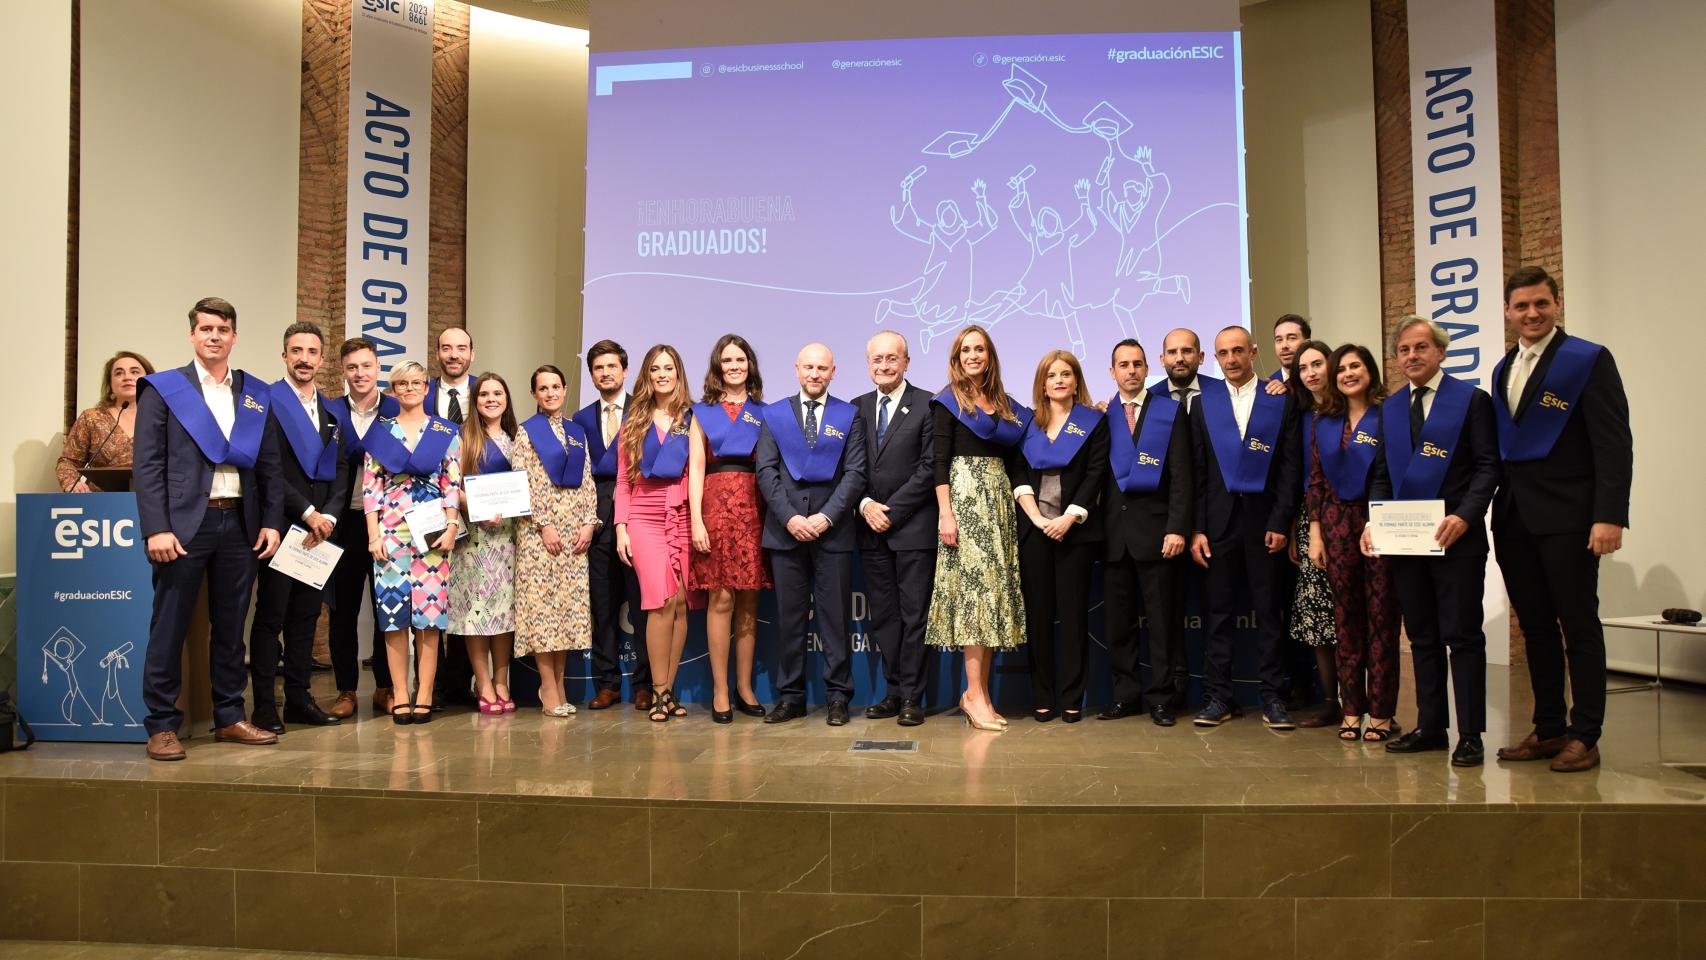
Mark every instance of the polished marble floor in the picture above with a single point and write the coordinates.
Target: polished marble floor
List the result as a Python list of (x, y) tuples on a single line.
[(617, 754)]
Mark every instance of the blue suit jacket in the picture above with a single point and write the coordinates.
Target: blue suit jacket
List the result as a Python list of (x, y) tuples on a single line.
[(171, 477), (835, 498)]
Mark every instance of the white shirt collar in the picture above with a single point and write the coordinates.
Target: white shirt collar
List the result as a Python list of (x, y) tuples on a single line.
[(1438, 378), (621, 403), (349, 398), (1195, 386), (820, 400), (893, 395), (1141, 395), (459, 385), (1539, 345), (1249, 386), (202, 376)]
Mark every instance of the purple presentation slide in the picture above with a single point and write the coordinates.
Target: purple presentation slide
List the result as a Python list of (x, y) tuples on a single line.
[(1062, 191)]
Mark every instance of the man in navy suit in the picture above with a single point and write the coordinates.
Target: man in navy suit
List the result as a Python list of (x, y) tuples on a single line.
[(448, 398), (316, 488), (811, 467), (897, 528), (210, 503)]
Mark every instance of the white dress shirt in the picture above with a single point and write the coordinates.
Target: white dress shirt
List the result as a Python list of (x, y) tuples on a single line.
[(461, 388), (894, 395), (1522, 367), (359, 421), (822, 401), (1433, 391), (311, 406), (217, 394), (1243, 401), (1192, 390)]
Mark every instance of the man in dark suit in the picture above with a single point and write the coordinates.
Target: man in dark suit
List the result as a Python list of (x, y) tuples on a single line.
[(1569, 456), (448, 398), (811, 467), (209, 502), (1247, 475), (897, 535), (1147, 506), (612, 582), (1440, 444), (316, 488)]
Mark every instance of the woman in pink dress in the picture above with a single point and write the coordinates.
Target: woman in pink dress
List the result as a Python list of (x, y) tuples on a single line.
[(651, 513)]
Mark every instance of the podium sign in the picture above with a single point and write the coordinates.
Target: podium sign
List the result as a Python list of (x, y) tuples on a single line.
[(85, 596)]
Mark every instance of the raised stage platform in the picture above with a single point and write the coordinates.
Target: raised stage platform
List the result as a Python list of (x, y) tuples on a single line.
[(608, 836)]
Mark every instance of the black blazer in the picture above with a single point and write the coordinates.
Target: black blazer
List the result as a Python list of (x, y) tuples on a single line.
[(1081, 483), (1137, 522), (900, 472), (172, 479), (1586, 478), (1279, 499), (836, 498), (1470, 477), (605, 487), (329, 497)]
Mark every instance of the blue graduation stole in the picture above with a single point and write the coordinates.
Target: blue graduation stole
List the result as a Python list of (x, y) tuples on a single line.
[(354, 444), (1244, 460), (666, 459), (396, 458), (1004, 433), (1138, 464), (1045, 454), (1532, 437), (603, 457), (815, 464), (564, 461), (492, 459), (730, 438), (1347, 469), (1417, 474), (183, 397), (319, 459)]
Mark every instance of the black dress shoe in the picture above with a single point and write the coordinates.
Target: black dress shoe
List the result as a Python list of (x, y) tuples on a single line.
[(837, 713), (722, 716), (911, 714), (266, 718), (1071, 716), (1469, 753), (750, 709), (1161, 715), (1044, 716), (1119, 710), (320, 665), (309, 714), (883, 709), (782, 712), (1419, 741)]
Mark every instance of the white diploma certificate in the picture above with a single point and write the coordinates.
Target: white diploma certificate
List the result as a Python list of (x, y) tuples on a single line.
[(1405, 528), (313, 567), (497, 496), (426, 521)]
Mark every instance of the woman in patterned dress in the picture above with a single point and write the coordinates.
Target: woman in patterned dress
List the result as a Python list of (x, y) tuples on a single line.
[(101, 437), (976, 605), (728, 519), (1312, 603), (1343, 440), (553, 600), (412, 459), (652, 516), (482, 571)]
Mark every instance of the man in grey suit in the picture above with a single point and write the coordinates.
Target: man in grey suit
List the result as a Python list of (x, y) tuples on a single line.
[(811, 467), (897, 529)]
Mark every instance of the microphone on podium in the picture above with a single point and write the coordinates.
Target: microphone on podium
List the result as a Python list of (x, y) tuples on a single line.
[(97, 447)]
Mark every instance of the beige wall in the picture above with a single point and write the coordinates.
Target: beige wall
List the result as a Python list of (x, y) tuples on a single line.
[(1314, 223), (189, 172), (36, 113), (1630, 137), (526, 193)]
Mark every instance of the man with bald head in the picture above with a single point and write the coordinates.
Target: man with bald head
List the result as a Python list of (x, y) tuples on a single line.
[(897, 525), (811, 466), (1181, 355)]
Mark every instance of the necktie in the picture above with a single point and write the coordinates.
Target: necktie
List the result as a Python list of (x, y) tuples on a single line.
[(1183, 395), (611, 423), (1519, 378), (455, 407), (1131, 415), (1416, 416), (811, 423), (882, 417)]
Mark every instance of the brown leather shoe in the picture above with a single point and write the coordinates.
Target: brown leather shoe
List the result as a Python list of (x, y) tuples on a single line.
[(1576, 757), (244, 732), (165, 746), (606, 699), (643, 698), (1534, 748), (1330, 715), (344, 708), (381, 699)]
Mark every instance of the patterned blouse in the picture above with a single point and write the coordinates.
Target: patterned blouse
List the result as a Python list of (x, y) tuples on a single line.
[(92, 424)]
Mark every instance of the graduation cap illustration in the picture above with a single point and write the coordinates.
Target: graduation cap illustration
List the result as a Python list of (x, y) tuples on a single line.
[(1105, 121), (1025, 89), (953, 143)]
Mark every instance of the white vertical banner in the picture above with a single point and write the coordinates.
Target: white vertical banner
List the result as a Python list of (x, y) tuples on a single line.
[(390, 178), (1458, 208)]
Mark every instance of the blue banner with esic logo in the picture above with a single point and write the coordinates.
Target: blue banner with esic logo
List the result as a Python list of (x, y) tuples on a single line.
[(85, 595)]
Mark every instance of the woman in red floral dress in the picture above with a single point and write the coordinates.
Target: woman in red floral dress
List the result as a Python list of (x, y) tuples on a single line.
[(728, 519)]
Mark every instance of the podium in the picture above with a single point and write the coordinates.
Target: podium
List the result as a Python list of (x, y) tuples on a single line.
[(109, 479)]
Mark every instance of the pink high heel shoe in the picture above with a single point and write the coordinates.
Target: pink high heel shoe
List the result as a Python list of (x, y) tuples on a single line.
[(491, 706)]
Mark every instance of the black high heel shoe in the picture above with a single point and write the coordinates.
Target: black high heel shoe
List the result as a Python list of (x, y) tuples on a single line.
[(722, 716), (750, 709)]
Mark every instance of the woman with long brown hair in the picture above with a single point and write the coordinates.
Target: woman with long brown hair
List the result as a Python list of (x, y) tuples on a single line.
[(728, 519), (1312, 598), (101, 437), (482, 570), (976, 605), (652, 516)]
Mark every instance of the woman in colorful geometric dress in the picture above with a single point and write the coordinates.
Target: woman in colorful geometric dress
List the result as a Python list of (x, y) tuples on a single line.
[(977, 606), (482, 571), (553, 600), (728, 519), (1312, 602), (412, 460)]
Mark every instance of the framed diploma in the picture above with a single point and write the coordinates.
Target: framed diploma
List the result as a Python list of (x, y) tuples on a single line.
[(313, 567), (1405, 528), (497, 496)]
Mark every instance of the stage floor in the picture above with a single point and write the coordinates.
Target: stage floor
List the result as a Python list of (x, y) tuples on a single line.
[(618, 755)]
